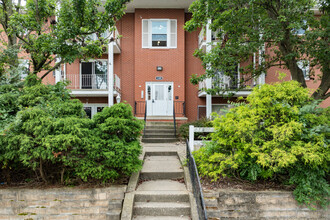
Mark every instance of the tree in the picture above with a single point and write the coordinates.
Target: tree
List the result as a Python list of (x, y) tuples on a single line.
[(54, 32), (246, 27), (281, 134)]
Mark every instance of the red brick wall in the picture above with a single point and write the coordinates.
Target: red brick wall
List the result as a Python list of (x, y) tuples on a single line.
[(172, 60), (193, 66)]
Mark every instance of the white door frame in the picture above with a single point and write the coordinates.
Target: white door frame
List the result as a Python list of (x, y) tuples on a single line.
[(168, 109)]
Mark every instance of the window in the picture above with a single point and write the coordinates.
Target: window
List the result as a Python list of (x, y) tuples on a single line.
[(304, 66), (159, 33), (94, 74), (92, 109)]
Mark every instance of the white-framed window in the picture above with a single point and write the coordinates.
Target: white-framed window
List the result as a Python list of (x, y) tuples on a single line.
[(92, 109), (159, 33), (94, 74), (304, 66)]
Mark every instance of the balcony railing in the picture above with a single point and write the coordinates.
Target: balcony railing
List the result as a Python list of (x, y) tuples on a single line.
[(203, 36), (91, 81), (230, 82)]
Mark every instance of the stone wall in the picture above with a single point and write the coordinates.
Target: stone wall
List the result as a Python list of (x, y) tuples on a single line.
[(62, 203), (228, 204)]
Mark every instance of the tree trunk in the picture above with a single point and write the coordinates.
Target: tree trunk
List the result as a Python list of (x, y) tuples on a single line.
[(42, 174)]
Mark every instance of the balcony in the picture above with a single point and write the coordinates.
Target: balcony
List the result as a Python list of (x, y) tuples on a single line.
[(91, 84), (230, 84), (203, 36), (115, 35)]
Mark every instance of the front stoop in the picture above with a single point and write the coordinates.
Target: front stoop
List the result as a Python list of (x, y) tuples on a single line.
[(159, 132)]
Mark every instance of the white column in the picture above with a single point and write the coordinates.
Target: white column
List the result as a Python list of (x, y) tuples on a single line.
[(110, 72), (208, 80), (58, 76), (261, 78)]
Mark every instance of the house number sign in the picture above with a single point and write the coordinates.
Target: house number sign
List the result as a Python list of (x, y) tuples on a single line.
[(159, 78)]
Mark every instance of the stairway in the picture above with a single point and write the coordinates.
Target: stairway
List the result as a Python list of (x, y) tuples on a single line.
[(162, 193), (159, 132)]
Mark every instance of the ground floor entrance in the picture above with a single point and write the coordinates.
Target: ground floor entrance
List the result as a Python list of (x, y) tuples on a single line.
[(159, 98)]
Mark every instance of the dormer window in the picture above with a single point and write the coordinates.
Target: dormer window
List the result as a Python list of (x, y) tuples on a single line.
[(159, 33)]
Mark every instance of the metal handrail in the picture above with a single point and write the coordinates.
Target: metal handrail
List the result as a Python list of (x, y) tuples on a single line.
[(196, 184), (145, 119), (174, 121)]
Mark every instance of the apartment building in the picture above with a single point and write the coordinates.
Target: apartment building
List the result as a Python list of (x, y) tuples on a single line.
[(149, 64)]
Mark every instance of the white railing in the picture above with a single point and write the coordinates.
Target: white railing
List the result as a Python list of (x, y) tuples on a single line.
[(201, 36), (227, 82), (92, 81), (117, 83), (192, 131), (87, 81), (116, 36)]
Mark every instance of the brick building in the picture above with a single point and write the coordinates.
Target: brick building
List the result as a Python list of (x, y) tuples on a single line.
[(150, 66)]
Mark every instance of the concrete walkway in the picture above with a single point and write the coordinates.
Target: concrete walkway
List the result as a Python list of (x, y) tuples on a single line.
[(162, 193)]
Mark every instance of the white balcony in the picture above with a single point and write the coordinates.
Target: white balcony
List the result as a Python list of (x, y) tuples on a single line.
[(116, 37), (203, 36), (95, 85), (230, 85)]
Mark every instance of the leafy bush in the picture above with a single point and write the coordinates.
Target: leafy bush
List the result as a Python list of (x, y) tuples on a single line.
[(184, 128), (52, 135), (280, 134)]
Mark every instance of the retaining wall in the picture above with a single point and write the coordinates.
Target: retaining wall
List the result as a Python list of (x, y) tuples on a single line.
[(67, 203), (235, 204)]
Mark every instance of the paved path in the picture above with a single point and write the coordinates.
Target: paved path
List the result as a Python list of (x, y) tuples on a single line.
[(162, 192)]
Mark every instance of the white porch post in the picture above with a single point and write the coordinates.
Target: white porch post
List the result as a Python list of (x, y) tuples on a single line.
[(110, 72), (57, 71), (208, 80)]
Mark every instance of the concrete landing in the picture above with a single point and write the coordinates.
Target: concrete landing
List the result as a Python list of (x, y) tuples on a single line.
[(162, 185)]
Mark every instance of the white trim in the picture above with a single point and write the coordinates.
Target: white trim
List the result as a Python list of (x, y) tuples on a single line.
[(94, 106), (168, 33)]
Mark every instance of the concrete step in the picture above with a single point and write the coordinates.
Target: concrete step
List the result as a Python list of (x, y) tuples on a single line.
[(160, 122), (159, 131), (143, 217), (159, 140), (161, 167), (161, 196), (161, 208), (159, 135), (162, 185), (160, 127)]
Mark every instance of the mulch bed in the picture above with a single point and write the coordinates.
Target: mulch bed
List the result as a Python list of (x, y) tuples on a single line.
[(232, 183)]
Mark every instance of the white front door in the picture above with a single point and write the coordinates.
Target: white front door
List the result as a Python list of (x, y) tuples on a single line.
[(159, 98)]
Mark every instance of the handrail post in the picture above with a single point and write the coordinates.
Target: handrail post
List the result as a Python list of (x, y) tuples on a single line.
[(174, 122), (135, 108), (145, 118), (191, 138), (184, 109)]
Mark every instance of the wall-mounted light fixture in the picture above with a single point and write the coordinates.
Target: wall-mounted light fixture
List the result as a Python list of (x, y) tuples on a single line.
[(159, 68)]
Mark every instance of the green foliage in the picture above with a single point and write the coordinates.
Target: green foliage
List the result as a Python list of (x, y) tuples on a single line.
[(52, 135), (246, 28), (281, 134), (51, 41), (184, 128)]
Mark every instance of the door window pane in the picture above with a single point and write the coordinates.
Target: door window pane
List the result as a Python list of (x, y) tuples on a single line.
[(169, 91), (159, 33), (149, 93), (159, 92)]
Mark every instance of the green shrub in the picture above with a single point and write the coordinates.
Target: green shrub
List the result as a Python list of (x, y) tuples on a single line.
[(280, 134), (184, 128), (51, 134)]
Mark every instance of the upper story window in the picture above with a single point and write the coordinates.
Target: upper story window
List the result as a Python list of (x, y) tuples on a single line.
[(159, 33)]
